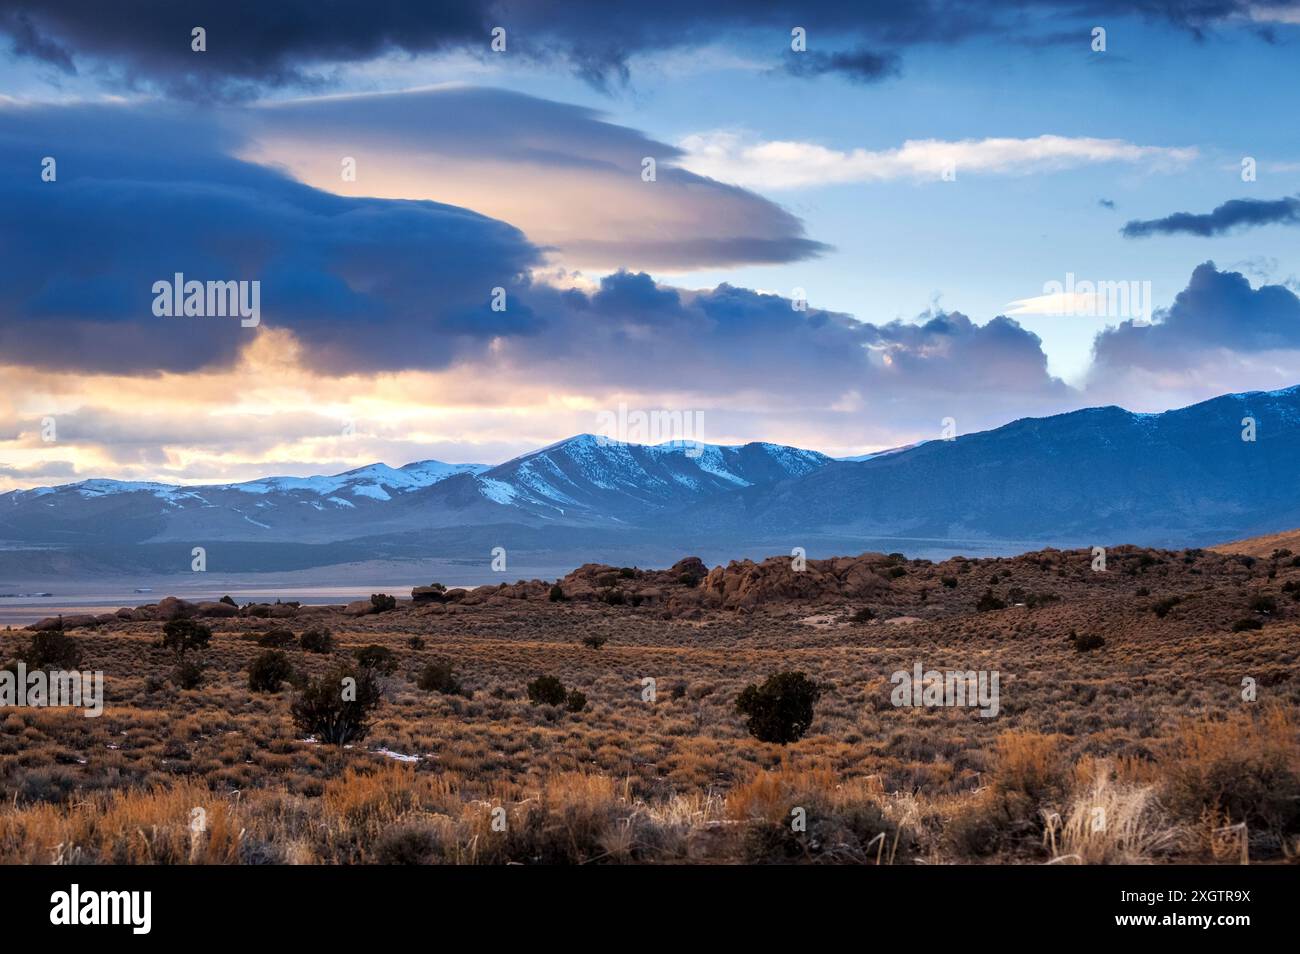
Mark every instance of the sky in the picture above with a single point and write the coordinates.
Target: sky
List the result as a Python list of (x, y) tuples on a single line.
[(863, 220)]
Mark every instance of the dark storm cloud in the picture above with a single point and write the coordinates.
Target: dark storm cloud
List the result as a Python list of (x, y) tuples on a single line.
[(1233, 214), (1217, 312), (252, 43), (635, 333), (362, 283)]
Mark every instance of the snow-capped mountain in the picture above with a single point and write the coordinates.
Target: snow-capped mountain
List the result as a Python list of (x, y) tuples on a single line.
[(1188, 477), (595, 476), (583, 481)]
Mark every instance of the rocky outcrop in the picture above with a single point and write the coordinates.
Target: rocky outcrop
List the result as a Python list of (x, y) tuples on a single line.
[(745, 584), (216, 610)]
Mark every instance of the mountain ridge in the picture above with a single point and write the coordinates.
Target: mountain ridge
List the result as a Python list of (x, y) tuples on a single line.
[(1090, 476)]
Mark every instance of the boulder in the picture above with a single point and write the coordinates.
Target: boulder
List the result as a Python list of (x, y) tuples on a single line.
[(173, 607), (428, 594), (359, 608), (216, 610)]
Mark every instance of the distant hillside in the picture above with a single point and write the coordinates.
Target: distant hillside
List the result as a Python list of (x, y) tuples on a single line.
[(1099, 476), (1262, 546)]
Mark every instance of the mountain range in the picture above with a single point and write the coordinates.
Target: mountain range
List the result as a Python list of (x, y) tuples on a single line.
[(1101, 475)]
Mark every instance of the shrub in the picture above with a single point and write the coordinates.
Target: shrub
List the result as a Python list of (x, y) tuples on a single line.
[(415, 642), (185, 635), (575, 701), (1087, 642), (988, 602), (864, 615), (1246, 623), (781, 709), (52, 650), (1263, 604), (613, 597), (188, 674), (594, 641), (896, 571), (1162, 607), (557, 594), (377, 658), (335, 707), (546, 690), (1246, 768), (276, 638), (627, 573), (438, 676), (318, 639), (382, 602), (948, 581), (268, 670)]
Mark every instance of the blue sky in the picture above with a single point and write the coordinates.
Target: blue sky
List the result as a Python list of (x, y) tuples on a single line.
[(762, 157)]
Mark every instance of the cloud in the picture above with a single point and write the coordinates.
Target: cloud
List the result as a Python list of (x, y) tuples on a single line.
[(733, 157), (253, 45), (362, 283), (1233, 214), (1219, 335), (861, 65), (570, 180)]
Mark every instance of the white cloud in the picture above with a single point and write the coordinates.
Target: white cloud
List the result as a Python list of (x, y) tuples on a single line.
[(737, 158)]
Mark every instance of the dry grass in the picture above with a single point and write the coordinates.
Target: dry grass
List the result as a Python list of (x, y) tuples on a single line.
[(1152, 728)]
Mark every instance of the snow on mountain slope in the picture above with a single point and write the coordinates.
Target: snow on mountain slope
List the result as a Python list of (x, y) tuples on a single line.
[(593, 473), (376, 481)]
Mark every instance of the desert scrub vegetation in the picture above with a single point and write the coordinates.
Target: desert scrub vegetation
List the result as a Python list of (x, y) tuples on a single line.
[(781, 709), (1151, 727)]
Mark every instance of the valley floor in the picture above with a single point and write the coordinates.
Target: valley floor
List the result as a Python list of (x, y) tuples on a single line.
[(1173, 741)]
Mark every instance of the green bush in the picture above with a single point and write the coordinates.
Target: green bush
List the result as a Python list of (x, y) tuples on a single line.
[(948, 581), (438, 676), (335, 707), (1087, 642), (781, 709), (276, 638), (317, 639), (54, 649), (988, 602), (594, 641), (188, 674), (377, 658), (1162, 607), (1263, 604), (268, 671), (185, 635), (557, 594), (575, 701), (382, 602), (1246, 623), (546, 690)]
